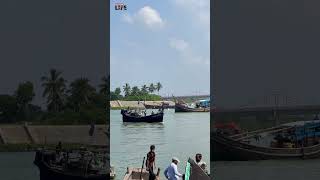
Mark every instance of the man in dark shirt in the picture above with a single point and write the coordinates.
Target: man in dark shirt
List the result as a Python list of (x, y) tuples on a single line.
[(150, 162)]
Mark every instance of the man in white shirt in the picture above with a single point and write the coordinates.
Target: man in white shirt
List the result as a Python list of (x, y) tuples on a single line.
[(171, 172)]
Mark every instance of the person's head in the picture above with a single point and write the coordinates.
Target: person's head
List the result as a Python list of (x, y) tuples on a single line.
[(175, 160), (198, 157), (152, 148)]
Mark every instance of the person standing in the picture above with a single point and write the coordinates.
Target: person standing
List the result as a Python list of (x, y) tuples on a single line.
[(151, 162), (171, 172), (201, 163)]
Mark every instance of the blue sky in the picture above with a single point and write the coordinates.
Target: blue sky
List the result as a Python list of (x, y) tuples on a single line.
[(165, 41)]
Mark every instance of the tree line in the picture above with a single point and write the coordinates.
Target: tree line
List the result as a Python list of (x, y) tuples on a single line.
[(75, 103), (145, 92)]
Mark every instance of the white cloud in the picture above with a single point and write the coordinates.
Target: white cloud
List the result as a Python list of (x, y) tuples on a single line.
[(198, 10), (178, 44), (187, 54), (127, 18), (147, 16)]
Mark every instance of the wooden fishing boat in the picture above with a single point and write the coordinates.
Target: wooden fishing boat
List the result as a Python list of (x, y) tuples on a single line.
[(181, 107), (242, 147), (139, 174), (128, 116), (72, 170)]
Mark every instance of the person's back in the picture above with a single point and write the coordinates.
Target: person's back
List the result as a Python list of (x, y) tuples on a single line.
[(171, 172)]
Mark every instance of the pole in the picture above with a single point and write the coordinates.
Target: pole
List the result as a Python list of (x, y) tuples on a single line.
[(142, 168)]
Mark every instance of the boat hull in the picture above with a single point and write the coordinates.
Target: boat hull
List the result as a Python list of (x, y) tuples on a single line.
[(155, 118), (228, 149), (48, 173)]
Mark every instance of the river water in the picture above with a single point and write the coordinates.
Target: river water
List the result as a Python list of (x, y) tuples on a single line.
[(18, 166), (181, 135), (267, 170)]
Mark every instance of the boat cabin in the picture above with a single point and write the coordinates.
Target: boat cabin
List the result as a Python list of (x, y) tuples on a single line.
[(203, 103)]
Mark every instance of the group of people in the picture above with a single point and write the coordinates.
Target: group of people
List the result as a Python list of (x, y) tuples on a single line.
[(171, 172)]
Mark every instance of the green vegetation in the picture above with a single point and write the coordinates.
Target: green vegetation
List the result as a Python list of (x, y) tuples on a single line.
[(145, 93), (75, 103)]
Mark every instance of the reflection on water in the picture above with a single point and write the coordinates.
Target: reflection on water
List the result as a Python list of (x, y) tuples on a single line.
[(267, 170), (135, 125), (18, 166), (181, 134)]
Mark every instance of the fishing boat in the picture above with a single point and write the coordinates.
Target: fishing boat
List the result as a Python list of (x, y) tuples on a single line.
[(183, 107), (134, 116), (74, 166), (229, 128), (139, 174), (299, 140)]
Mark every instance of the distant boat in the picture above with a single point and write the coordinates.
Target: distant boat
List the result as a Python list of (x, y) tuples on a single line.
[(139, 174), (298, 140), (74, 169), (130, 116), (183, 107)]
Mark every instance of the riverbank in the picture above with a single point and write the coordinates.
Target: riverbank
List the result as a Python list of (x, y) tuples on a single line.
[(117, 105)]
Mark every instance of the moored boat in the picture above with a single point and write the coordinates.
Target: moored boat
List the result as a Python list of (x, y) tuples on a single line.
[(289, 141), (131, 116), (182, 107), (70, 167)]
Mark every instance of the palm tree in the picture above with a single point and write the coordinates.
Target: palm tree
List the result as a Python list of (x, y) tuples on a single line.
[(159, 87), (117, 91), (135, 91), (151, 88), (24, 95), (54, 89), (104, 86), (144, 89), (126, 89), (81, 93)]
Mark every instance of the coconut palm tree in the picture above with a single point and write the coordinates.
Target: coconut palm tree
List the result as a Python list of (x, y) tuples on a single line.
[(24, 95), (135, 91), (126, 89), (152, 88), (81, 93), (144, 89), (54, 90), (104, 86), (159, 87)]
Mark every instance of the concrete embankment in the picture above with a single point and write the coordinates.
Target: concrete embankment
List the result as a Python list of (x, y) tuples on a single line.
[(140, 104), (46, 134)]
